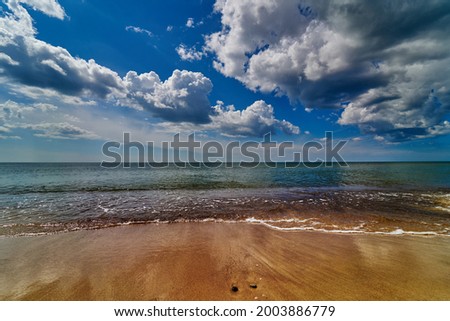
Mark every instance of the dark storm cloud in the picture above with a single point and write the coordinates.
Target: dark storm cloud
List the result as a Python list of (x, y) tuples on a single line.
[(333, 90)]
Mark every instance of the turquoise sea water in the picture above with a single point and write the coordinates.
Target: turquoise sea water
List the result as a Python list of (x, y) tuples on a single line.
[(395, 198)]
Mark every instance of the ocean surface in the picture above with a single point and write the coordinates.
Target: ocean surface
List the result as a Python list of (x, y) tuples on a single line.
[(383, 198)]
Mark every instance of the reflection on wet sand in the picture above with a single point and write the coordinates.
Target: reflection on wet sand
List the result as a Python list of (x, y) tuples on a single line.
[(203, 261)]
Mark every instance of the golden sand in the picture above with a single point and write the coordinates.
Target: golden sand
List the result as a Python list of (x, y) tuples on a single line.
[(201, 261)]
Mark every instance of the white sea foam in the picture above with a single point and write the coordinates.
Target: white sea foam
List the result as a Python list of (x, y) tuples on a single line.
[(282, 220), (106, 210), (402, 232), (443, 208), (398, 231), (309, 224), (355, 230)]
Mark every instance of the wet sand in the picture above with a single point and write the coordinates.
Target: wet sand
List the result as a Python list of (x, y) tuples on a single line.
[(201, 261)]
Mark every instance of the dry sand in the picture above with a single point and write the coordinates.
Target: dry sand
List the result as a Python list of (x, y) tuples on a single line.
[(201, 261)]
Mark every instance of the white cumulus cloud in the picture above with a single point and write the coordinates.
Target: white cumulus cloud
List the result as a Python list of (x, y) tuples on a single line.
[(189, 54), (256, 120), (386, 63), (50, 7), (38, 69), (33, 62), (182, 97), (190, 23)]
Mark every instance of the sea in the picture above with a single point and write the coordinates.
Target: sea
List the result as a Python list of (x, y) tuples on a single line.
[(376, 198)]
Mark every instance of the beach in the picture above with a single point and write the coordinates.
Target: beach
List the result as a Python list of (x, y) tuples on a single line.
[(204, 260)]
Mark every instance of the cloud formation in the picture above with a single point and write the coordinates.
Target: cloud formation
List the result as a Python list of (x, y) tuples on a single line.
[(256, 120), (190, 23), (60, 131), (183, 97), (385, 63), (32, 62), (12, 111), (187, 54), (139, 30), (14, 115), (49, 7), (36, 68)]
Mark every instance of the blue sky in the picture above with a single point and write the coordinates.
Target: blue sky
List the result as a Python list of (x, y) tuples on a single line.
[(75, 74)]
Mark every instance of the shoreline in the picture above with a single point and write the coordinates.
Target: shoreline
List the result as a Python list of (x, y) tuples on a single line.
[(202, 261), (251, 221)]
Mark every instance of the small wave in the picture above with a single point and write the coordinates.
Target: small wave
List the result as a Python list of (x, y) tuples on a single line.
[(446, 209), (402, 232), (106, 210), (290, 220), (353, 230), (270, 223)]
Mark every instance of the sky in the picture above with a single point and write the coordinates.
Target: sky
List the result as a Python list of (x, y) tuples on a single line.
[(75, 74)]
